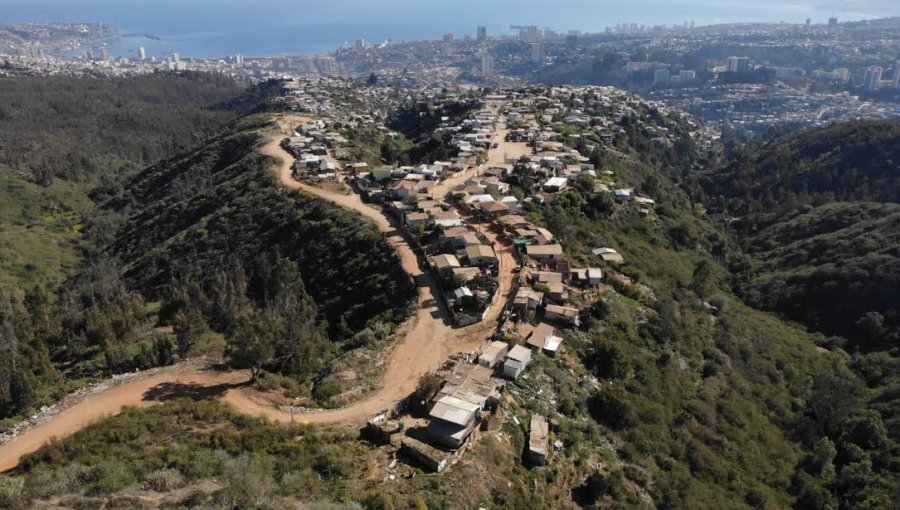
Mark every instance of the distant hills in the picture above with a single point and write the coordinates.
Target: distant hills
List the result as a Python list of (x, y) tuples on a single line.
[(819, 212), (855, 161)]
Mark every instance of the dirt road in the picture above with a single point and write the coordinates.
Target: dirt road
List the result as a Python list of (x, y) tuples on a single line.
[(505, 153), (428, 340), (111, 402)]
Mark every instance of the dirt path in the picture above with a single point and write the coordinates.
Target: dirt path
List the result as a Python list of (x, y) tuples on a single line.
[(428, 340), (505, 153), (110, 402)]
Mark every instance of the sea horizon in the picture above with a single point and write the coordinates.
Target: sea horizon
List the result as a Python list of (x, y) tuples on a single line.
[(208, 29)]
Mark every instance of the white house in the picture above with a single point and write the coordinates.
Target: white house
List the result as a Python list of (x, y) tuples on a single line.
[(492, 354), (516, 361), (511, 202), (555, 184)]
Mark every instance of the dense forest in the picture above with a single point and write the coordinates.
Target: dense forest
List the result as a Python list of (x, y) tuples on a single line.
[(76, 129), (819, 224), (816, 211), (834, 268), (66, 143), (218, 210), (854, 161)]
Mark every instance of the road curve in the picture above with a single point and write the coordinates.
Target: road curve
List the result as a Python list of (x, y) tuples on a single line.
[(427, 340)]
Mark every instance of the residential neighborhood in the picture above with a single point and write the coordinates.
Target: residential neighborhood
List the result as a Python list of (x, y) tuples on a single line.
[(467, 218)]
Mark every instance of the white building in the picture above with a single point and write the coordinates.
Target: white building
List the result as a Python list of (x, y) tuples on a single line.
[(538, 53), (686, 76), (492, 354), (661, 77), (516, 361), (872, 78), (529, 33), (488, 66), (737, 64)]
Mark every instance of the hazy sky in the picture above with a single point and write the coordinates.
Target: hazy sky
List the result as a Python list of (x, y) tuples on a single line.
[(266, 27), (533, 11)]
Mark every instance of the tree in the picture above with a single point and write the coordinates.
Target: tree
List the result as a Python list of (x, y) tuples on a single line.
[(428, 386), (871, 326), (832, 401), (702, 280), (597, 311), (189, 326), (866, 430), (585, 184), (252, 344), (600, 206), (607, 360)]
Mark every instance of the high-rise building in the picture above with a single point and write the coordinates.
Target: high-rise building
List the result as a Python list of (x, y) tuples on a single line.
[(448, 38), (686, 76), (897, 74), (104, 54), (360, 44), (488, 66), (176, 58), (571, 41), (808, 21), (832, 22), (326, 65), (142, 53), (529, 33), (661, 77), (737, 65), (538, 53), (872, 78), (481, 33)]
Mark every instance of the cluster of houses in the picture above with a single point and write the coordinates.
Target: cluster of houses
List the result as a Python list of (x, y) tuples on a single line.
[(461, 257), (468, 402), (458, 237), (309, 144), (469, 141), (386, 183), (557, 164)]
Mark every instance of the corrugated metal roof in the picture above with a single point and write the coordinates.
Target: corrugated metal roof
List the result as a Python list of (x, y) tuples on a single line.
[(454, 410)]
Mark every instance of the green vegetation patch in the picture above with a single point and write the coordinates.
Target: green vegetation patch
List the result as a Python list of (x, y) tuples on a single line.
[(177, 443)]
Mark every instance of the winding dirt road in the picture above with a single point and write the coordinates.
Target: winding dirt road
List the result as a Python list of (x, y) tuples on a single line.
[(428, 338), (427, 341)]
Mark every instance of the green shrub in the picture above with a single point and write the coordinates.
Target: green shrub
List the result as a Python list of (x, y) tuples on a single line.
[(110, 476), (164, 480), (12, 493), (324, 392), (202, 464)]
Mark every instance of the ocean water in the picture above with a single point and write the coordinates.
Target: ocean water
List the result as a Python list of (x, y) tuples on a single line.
[(215, 28)]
